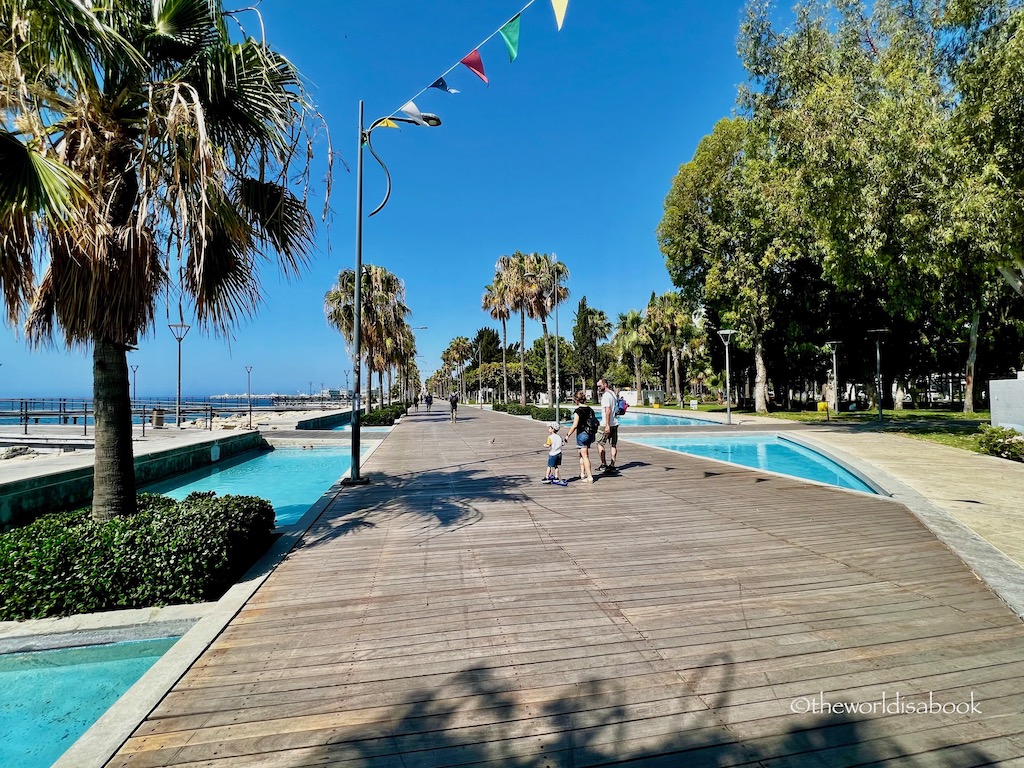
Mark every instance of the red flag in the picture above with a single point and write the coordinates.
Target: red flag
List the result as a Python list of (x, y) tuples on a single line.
[(475, 64)]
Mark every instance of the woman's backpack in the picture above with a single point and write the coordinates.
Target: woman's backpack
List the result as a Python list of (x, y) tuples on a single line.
[(592, 424)]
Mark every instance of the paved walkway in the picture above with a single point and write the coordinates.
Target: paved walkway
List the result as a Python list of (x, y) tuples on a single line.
[(456, 612)]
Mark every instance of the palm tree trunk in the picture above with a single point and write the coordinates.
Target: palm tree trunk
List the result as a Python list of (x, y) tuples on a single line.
[(636, 372), (113, 462), (522, 358), (547, 357), (760, 375), (679, 381), (504, 363), (369, 381), (972, 359)]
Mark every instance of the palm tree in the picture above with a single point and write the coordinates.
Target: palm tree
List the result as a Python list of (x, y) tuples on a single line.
[(144, 152), (670, 324), (383, 315), (496, 303), (544, 290), (630, 339), (516, 286)]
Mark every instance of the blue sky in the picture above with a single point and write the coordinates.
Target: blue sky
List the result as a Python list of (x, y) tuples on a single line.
[(570, 149)]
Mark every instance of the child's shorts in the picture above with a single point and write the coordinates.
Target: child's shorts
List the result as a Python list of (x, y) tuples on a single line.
[(555, 461)]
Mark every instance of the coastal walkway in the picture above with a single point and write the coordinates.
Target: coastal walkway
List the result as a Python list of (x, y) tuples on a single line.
[(456, 611)]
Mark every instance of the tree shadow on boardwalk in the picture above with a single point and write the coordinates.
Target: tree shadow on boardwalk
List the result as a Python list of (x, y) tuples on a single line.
[(477, 717), (443, 499)]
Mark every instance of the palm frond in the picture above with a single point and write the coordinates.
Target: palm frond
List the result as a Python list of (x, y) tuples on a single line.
[(33, 183), (279, 218)]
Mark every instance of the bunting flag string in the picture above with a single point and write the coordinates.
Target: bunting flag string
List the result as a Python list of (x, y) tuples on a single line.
[(509, 32)]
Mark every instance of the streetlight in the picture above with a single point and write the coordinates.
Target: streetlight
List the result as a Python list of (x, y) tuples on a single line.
[(725, 334), (364, 138), (877, 333), (480, 375), (248, 391), (179, 330), (835, 375), (135, 391)]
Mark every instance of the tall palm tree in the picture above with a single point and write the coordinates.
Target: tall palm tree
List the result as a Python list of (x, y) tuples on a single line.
[(544, 290), (630, 339), (143, 150), (670, 323), (496, 303), (513, 273), (383, 313)]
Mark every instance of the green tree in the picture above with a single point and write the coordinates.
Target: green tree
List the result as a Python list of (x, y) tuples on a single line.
[(143, 151), (630, 339), (496, 303), (590, 328)]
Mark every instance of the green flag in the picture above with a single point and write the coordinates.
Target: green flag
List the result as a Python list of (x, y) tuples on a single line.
[(511, 34)]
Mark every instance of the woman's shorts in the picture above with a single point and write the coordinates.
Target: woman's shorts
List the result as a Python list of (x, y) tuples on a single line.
[(555, 461), (583, 440)]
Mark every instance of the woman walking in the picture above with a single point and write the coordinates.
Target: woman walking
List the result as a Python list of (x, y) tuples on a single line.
[(584, 424)]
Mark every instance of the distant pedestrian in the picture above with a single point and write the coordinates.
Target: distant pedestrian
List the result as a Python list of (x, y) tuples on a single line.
[(554, 446), (453, 401), (608, 437), (429, 400), (585, 425)]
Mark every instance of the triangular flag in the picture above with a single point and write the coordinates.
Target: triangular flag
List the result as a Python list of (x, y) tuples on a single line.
[(386, 123), (413, 112), (440, 83), (475, 64), (511, 34), (559, 6)]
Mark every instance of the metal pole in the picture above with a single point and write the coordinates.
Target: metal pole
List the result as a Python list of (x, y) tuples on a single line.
[(558, 419), (248, 385), (354, 476), (728, 393), (480, 375), (177, 402), (835, 382)]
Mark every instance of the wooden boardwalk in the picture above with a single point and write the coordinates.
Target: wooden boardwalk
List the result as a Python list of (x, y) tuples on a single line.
[(458, 612)]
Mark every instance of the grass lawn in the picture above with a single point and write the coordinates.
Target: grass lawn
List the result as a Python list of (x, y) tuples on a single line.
[(953, 428)]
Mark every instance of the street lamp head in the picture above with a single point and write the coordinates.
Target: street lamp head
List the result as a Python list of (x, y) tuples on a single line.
[(878, 331), (431, 119), (725, 333)]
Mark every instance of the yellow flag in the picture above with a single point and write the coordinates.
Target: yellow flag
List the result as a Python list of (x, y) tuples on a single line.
[(559, 6), (385, 123)]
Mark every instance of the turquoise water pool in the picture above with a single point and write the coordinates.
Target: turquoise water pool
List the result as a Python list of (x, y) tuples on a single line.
[(635, 419), (767, 452), (50, 698), (292, 479)]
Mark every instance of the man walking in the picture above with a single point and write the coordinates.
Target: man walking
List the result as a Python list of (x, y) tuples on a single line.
[(608, 435), (453, 401)]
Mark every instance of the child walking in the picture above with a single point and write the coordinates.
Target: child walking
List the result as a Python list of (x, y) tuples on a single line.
[(554, 446)]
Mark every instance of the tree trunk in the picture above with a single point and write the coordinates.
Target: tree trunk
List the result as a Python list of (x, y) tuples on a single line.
[(901, 392), (504, 363), (547, 357), (760, 376), (522, 358), (972, 359), (113, 461), (679, 381), (636, 372)]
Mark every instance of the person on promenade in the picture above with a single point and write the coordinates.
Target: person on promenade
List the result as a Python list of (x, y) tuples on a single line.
[(453, 401), (554, 446), (584, 424), (608, 435), (429, 399)]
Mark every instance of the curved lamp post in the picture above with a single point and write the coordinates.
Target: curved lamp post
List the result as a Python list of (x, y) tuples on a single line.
[(726, 334), (179, 330), (878, 333), (364, 138)]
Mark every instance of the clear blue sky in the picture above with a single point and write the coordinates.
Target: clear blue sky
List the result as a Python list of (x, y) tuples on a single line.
[(570, 149)]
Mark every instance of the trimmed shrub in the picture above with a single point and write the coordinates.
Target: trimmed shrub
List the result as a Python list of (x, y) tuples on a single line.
[(384, 417), (169, 552), (1003, 442)]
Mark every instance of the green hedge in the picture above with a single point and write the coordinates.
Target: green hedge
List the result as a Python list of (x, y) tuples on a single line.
[(169, 552), (1002, 442), (384, 417), (535, 411)]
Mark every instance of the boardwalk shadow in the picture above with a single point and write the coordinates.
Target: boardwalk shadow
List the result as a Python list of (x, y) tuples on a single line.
[(444, 499), (476, 717)]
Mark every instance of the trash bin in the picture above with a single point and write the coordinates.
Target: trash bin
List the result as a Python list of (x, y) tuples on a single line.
[(822, 406), (158, 417), (693, 405)]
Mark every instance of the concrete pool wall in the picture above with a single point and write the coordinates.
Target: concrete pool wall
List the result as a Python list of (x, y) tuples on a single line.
[(24, 499)]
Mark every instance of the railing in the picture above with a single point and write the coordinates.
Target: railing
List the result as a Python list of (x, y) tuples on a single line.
[(25, 412)]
